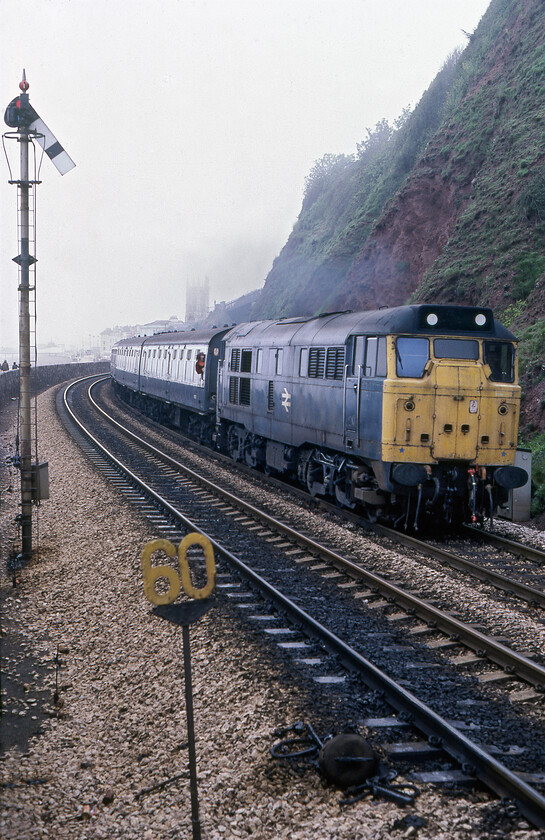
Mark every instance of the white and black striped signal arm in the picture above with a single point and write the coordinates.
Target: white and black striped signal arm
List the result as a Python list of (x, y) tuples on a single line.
[(20, 114)]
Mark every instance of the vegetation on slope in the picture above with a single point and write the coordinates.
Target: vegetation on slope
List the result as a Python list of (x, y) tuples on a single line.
[(343, 200), (448, 204)]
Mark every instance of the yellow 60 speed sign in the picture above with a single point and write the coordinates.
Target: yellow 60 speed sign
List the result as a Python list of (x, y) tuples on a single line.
[(152, 574)]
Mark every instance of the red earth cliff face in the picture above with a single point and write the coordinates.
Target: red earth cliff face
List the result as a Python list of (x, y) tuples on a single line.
[(415, 228), (409, 237)]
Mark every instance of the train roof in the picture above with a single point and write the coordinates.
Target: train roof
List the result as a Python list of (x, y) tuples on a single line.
[(203, 337), (336, 327)]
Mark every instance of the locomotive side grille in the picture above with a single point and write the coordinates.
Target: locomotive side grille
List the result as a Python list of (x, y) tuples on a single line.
[(334, 368), (235, 358), (270, 401), (316, 362), (244, 391), (233, 389)]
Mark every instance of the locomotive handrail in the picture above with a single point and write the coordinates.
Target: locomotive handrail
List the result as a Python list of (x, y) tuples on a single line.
[(358, 405)]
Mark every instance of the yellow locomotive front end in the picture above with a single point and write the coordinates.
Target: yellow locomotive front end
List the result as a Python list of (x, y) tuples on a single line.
[(450, 417)]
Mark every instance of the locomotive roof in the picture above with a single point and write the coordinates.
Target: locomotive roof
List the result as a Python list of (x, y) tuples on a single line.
[(335, 327)]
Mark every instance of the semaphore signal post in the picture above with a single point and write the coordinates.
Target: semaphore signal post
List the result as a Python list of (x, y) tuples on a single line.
[(28, 127)]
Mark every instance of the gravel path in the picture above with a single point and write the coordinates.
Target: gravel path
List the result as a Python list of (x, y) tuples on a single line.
[(73, 769)]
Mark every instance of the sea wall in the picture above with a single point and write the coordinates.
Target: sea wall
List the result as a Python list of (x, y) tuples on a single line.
[(45, 376)]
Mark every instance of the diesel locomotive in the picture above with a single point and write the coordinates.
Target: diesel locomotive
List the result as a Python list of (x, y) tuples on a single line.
[(405, 413)]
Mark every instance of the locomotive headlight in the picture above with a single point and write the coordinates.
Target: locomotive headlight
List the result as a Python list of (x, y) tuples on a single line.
[(409, 405), (480, 319), (432, 319), (502, 409)]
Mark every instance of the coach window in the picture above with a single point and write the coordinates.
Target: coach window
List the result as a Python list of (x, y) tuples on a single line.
[(500, 357), (279, 361), (412, 355)]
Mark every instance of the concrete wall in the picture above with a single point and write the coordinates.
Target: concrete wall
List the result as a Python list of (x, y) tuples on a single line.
[(44, 376)]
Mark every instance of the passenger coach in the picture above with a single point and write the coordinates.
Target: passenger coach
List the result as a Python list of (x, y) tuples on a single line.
[(172, 376)]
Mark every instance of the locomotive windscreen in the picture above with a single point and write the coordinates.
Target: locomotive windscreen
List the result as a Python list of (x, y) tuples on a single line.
[(455, 319)]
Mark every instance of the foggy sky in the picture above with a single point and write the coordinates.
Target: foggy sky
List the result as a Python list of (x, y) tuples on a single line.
[(193, 124)]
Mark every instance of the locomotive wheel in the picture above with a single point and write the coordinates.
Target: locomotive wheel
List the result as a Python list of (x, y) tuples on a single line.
[(314, 477), (341, 494), (253, 450)]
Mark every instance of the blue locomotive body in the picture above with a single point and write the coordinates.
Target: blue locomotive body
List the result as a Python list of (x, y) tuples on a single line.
[(287, 396), (416, 405)]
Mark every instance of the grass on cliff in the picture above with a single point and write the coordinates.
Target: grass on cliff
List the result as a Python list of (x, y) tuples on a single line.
[(536, 445), (532, 372)]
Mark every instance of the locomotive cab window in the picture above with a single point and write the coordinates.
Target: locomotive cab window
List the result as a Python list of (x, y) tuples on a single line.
[(375, 357), (500, 357), (456, 348), (370, 356), (412, 355), (359, 354)]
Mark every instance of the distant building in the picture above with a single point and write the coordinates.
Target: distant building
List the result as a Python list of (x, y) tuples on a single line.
[(172, 324), (112, 335), (197, 298)]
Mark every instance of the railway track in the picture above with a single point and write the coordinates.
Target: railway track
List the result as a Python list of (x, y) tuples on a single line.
[(257, 545), (526, 584)]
